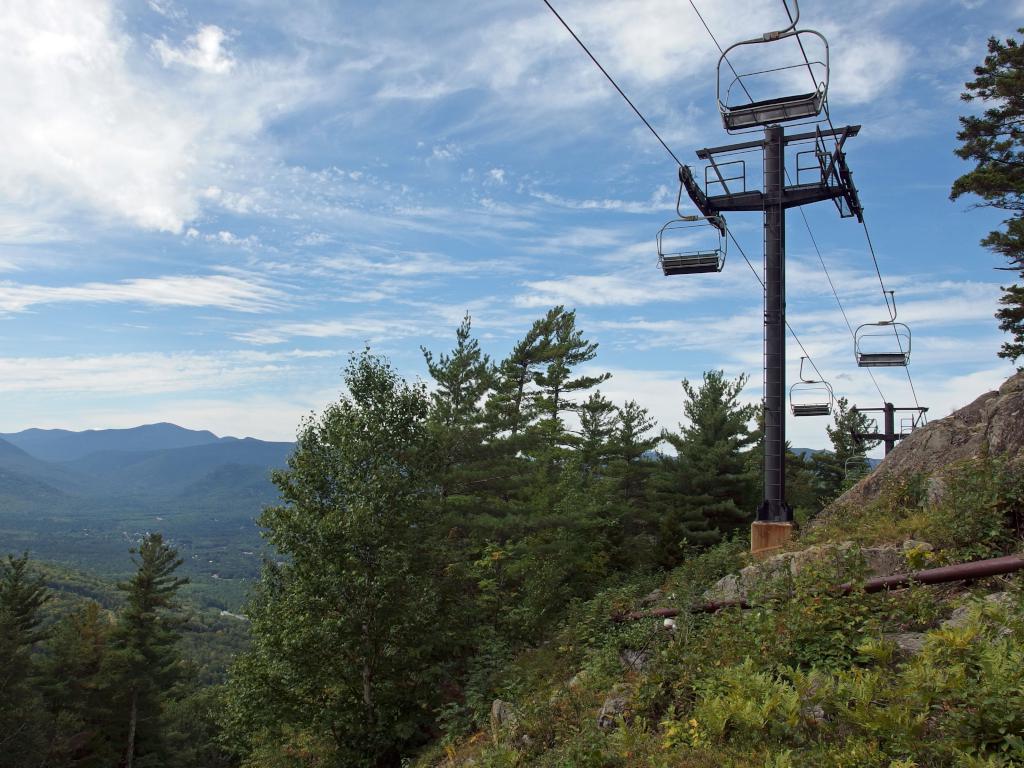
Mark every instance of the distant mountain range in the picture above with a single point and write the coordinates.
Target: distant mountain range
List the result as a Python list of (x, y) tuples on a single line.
[(154, 461), (83, 497), (806, 453), (64, 445)]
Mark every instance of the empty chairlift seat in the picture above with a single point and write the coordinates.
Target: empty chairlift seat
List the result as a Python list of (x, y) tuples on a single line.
[(810, 397), (692, 245), (882, 345), (770, 111), (771, 64)]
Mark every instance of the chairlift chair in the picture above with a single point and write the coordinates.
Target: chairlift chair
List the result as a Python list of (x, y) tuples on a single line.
[(684, 246), (741, 112), (674, 255), (810, 397), (859, 469), (885, 344)]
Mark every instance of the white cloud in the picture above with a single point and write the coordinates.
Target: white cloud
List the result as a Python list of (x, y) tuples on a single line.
[(625, 289), (88, 126), (146, 372), (870, 65), (230, 238), (661, 201), (223, 291), (381, 262), (165, 8), (360, 329), (204, 51), (445, 152)]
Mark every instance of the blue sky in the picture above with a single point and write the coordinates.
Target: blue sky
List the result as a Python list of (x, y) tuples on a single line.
[(205, 206)]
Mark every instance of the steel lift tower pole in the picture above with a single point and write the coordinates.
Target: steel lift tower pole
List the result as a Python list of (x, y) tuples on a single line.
[(821, 174), (774, 508)]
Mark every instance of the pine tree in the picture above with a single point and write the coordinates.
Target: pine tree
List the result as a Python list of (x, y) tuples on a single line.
[(708, 489), (75, 691), (995, 141), (566, 350), (512, 405), (599, 421), (142, 663), (23, 721), (630, 468), (459, 430)]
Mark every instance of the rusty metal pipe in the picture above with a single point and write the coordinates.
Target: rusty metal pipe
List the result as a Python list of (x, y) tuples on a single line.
[(978, 569)]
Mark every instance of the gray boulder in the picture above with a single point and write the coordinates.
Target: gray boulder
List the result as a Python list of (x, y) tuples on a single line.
[(961, 615), (632, 660), (613, 708), (502, 717), (908, 644)]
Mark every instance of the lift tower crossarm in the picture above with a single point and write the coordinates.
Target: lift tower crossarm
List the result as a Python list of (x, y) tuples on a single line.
[(707, 152), (889, 436), (836, 182)]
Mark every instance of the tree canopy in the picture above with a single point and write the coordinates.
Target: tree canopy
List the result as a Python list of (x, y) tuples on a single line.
[(994, 140)]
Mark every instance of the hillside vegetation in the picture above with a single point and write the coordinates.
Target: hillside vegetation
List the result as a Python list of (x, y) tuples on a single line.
[(920, 677)]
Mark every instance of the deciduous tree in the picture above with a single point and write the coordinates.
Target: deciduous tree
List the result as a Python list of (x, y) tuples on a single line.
[(348, 630)]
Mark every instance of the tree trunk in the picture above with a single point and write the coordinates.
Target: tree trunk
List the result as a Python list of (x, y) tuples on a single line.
[(367, 675), (130, 756)]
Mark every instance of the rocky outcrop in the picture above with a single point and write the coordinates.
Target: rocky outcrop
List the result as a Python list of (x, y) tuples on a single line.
[(906, 644), (877, 561), (993, 425), (962, 615), (634, 661)]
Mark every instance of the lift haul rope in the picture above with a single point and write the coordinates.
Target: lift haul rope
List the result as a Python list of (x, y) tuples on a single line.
[(867, 234), (807, 224)]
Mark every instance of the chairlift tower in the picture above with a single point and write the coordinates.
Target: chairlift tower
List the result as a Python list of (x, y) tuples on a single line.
[(821, 174), (889, 435)]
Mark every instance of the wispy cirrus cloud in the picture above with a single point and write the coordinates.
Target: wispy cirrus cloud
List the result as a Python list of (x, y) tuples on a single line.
[(369, 329), (221, 291), (148, 372), (627, 288), (661, 200), (380, 262)]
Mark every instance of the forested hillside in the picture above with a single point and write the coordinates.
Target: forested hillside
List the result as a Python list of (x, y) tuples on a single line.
[(431, 536)]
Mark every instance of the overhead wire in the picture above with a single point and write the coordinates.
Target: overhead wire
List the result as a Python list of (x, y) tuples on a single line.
[(721, 50), (804, 215), (739, 80), (891, 309), (835, 294), (612, 81), (788, 326), (669, 149)]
